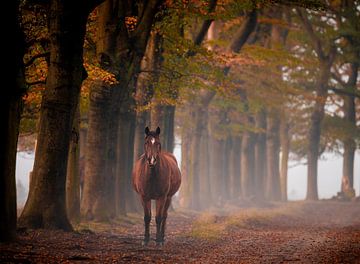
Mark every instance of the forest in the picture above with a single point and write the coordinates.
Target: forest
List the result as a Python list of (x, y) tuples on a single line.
[(243, 88)]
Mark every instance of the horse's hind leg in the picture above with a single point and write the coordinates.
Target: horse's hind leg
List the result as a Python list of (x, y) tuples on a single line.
[(147, 218), (162, 206)]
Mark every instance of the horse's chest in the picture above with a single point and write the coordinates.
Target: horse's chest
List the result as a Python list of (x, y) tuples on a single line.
[(156, 187)]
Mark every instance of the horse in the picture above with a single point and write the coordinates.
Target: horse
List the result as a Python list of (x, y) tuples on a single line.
[(156, 176)]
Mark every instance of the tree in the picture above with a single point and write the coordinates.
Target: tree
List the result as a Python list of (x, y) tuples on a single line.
[(11, 107), (124, 30), (148, 77), (45, 206), (321, 87), (73, 172)]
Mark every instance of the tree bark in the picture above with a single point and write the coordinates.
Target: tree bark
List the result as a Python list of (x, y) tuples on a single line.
[(205, 188), (349, 142), (199, 117), (120, 52), (260, 155), (234, 167), (217, 162), (93, 201), (272, 191), (285, 146), (163, 116), (186, 176), (317, 115), (315, 129), (10, 111), (46, 206), (73, 172), (247, 164), (145, 90)]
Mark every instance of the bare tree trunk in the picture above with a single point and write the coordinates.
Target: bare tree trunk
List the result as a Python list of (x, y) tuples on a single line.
[(186, 181), (163, 116), (73, 172), (349, 143), (234, 168), (317, 115), (145, 89), (260, 155), (315, 129), (285, 145), (10, 111), (93, 201), (126, 154), (199, 117), (247, 164), (205, 188), (216, 169), (272, 157)]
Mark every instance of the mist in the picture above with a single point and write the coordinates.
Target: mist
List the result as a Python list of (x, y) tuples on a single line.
[(330, 174)]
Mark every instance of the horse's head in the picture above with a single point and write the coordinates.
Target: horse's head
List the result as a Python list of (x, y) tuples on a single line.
[(152, 146)]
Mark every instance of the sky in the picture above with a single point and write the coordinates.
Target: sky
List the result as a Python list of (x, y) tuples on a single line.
[(329, 176)]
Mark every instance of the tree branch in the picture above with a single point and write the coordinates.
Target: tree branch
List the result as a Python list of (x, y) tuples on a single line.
[(316, 42), (35, 83), (37, 56), (206, 24), (145, 23), (246, 28), (204, 29), (338, 79), (344, 92)]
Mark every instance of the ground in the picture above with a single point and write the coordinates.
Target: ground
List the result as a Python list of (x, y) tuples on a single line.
[(295, 232)]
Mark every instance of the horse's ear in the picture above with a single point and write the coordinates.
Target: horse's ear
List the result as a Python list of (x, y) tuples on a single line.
[(158, 130), (147, 130)]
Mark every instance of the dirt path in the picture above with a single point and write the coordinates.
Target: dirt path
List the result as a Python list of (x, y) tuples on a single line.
[(322, 232)]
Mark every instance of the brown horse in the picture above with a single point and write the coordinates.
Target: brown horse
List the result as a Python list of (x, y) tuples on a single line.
[(156, 176)]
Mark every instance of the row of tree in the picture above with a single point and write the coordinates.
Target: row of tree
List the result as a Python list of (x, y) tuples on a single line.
[(241, 85)]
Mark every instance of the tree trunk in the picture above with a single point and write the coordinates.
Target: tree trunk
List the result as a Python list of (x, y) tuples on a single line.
[(145, 90), (234, 168), (73, 172), (119, 52), (216, 169), (163, 116), (285, 146), (317, 115), (205, 188), (201, 125), (93, 201), (315, 130), (272, 191), (186, 181), (349, 143), (10, 111), (228, 148), (46, 206), (122, 182), (126, 155), (260, 155), (247, 164)]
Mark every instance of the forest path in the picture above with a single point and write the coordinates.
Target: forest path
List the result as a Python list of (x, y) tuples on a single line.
[(296, 232)]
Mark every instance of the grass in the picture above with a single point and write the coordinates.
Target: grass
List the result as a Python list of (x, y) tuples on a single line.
[(118, 225), (209, 225)]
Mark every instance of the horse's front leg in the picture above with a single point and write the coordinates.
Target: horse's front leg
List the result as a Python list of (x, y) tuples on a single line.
[(162, 206), (147, 218), (160, 203)]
